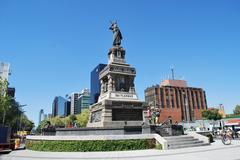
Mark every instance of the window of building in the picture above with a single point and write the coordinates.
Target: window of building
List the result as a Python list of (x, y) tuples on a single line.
[(177, 98), (173, 104), (193, 102), (162, 97), (168, 104), (197, 98), (202, 100), (181, 101)]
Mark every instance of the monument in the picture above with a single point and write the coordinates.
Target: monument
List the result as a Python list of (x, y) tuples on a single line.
[(118, 104)]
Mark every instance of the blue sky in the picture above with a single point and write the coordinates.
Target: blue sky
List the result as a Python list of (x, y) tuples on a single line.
[(53, 45)]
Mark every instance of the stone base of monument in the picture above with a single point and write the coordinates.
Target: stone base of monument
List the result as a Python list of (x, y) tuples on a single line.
[(164, 130), (99, 131), (110, 113)]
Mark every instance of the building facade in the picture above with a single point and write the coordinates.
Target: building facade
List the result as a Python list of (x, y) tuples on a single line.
[(67, 108), (74, 103), (58, 106), (174, 98), (84, 100), (80, 101), (95, 83)]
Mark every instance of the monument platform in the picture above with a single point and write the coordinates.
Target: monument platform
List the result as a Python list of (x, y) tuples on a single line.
[(126, 130)]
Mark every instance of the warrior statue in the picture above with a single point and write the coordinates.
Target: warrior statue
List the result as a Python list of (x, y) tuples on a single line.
[(117, 36)]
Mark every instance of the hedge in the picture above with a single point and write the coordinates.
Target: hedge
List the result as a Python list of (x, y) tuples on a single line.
[(90, 146)]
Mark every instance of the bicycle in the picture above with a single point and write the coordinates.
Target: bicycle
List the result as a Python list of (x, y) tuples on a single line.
[(226, 137)]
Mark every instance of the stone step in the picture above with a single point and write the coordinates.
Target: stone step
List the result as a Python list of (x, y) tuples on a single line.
[(187, 145), (184, 142), (182, 136), (179, 138)]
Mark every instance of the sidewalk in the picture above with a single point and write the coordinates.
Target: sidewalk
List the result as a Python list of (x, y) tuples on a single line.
[(215, 151)]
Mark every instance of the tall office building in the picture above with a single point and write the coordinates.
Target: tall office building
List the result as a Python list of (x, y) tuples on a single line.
[(80, 101), (4, 70), (84, 100), (58, 106), (67, 108), (95, 83), (74, 103), (174, 98), (41, 116)]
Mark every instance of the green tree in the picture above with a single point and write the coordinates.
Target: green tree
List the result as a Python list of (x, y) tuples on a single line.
[(82, 119), (66, 121), (11, 112), (25, 123), (57, 122), (236, 111), (5, 100), (69, 120), (211, 114), (42, 125), (72, 118)]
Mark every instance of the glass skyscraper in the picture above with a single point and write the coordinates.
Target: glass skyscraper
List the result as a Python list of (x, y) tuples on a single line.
[(67, 108), (41, 116), (58, 106), (95, 83)]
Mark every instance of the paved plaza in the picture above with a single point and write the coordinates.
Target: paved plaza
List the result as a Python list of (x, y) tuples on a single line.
[(213, 152)]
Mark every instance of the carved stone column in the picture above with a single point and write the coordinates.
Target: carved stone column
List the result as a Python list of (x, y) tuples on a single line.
[(110, 83), (102, 86), (113, 83)]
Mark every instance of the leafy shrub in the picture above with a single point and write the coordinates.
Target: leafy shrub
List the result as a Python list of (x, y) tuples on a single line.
[(57, 122), (89, 146)]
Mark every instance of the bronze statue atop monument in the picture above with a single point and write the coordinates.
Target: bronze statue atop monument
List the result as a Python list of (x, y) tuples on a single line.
[(117, 35)]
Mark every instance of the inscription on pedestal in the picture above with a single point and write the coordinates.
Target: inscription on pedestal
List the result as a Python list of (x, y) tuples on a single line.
[(127, 114), (123, 95)]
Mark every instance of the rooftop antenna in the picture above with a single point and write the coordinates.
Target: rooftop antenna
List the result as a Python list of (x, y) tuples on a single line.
[(172, 70)]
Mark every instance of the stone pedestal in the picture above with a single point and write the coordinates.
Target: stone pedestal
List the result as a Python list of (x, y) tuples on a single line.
[(118, 104), (112, 113)]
